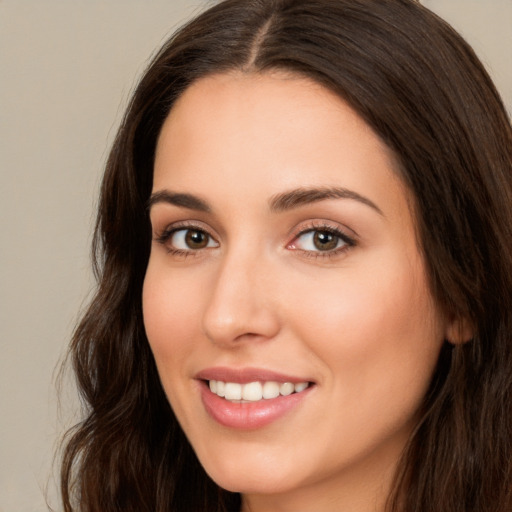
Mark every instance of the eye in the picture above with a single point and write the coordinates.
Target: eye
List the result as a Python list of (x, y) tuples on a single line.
[(322, 240), (185, 240), (190, 239)]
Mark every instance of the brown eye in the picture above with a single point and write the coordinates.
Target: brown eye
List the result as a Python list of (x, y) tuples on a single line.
[(196, 239), (328, 241), (325, 241), (191, 239)]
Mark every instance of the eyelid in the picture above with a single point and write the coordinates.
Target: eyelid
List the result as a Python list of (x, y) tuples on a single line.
[(326, 226), (162, 236), (183, 224), (320, 224)]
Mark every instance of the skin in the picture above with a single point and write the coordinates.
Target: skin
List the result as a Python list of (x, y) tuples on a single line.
[(359, 321)]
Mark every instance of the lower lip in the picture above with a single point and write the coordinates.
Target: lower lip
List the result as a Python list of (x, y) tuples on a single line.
[(249, 415)]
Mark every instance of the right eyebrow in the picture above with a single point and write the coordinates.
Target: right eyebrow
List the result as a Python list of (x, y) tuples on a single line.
[(302, 196), (178, 199)]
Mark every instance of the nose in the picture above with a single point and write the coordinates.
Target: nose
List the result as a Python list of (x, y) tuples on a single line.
[(241, 305)]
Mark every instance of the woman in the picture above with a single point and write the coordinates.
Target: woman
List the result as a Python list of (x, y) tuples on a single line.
[(304, 255)]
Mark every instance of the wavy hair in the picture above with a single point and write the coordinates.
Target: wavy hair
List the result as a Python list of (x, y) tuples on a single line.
[(421, 88)]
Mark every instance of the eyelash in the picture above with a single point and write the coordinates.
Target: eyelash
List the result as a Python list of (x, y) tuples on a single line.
[(164, 237), (349, 242), (323, 227)]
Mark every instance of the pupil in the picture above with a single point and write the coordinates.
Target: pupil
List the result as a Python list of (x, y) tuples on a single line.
[(325, 241), (196, 239)]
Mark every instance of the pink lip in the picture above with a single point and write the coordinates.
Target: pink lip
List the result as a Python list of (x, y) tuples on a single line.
[(245, 375), (248, 415)]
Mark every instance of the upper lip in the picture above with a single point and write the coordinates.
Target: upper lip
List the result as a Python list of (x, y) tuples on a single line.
[(245, 375)]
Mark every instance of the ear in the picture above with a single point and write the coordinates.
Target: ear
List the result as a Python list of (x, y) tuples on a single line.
[(459, 330)]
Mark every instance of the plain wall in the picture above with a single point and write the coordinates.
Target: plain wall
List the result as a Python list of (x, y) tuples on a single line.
[(67, 68)]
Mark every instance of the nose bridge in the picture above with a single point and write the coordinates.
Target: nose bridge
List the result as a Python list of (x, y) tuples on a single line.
[(240, 305)]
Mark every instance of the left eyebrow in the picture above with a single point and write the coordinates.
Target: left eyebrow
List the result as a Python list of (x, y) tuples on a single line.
[(302, 196), (182, 200)]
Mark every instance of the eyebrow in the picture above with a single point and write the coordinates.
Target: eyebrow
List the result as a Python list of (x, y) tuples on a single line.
[(302, 196), (188, 201), (278, 203)]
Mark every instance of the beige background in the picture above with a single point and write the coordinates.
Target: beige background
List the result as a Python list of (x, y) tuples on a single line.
[(67, 68)]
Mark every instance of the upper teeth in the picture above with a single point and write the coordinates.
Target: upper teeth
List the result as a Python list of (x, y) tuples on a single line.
[(254, 391)]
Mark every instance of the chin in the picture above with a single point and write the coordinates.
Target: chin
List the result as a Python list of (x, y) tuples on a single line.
[(246, 478)]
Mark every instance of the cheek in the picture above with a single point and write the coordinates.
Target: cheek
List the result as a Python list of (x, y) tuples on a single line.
[(378, 340), (170, 313), (374, 324)]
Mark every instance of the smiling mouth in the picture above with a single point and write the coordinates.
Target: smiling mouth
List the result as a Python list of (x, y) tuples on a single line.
[(254, 391)]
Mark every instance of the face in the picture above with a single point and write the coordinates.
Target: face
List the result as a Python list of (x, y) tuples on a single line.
[(285, 300)]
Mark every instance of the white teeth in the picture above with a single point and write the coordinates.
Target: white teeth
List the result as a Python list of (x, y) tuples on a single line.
[(270, 390), (301, 386), (287, 388), (254, 391), (233, 391)]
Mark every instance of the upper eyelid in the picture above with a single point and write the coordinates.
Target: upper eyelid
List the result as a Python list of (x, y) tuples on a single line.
[(165, 236), (339, 233), (185, 224), (326, 225), (298, 230)]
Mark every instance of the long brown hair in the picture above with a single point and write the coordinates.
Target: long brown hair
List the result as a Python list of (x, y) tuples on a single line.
[(424, 92)]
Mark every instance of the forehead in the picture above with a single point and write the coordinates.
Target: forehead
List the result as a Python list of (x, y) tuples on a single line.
[(269, 132)]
